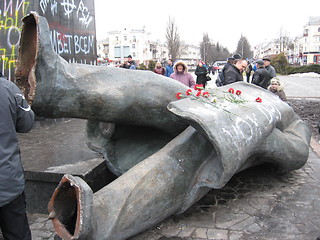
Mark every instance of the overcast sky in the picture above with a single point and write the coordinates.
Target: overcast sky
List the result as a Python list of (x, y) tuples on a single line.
[(223, 20)]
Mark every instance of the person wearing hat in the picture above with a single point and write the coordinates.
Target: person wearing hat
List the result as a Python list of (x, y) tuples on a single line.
[(201, 73), (237, 56), (271, 70), (182, 75), (220, 78), (261, 76), (277, 88)]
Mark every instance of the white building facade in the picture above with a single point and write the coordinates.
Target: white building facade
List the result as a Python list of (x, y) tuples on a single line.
[(191, 56), (306, 48), (134, 42), (139, 44)]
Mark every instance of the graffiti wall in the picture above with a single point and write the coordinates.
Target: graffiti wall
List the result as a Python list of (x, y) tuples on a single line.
[(71, 22)]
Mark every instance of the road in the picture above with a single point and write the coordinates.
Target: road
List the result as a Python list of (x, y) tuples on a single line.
[(296, 85)]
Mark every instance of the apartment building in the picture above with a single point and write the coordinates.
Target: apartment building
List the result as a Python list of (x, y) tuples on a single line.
[(135, 42), (308, 46), (302, 50), (140, 45)]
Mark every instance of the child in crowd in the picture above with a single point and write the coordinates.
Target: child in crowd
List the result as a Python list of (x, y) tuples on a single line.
[(277, 88)]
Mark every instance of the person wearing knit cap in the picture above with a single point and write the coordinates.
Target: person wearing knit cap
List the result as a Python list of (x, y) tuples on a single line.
[(277, 88)]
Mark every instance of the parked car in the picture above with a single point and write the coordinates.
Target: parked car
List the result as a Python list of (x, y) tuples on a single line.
[(218, 65)]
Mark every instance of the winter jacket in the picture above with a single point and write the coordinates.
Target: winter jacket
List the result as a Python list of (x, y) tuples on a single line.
[(279, 92), (232, 74), (169, 70), (201, 73), (184, 77), (261, 78), (271, 71), (16, 116)]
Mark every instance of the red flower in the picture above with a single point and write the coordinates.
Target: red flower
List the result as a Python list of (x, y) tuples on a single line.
[(189, 92), (231, 90), (178, 95), (258, 99), (205, 94), (198, 93), (198, 87), (238, 92)]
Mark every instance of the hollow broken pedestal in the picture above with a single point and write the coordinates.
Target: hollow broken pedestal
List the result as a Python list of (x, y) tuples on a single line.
[(53, 148)]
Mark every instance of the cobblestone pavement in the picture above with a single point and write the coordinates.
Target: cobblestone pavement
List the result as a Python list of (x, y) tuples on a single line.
[(262, 203)]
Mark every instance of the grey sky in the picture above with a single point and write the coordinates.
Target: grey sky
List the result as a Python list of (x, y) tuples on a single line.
[(224, 21)]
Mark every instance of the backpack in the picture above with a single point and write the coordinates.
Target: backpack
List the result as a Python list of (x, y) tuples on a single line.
[(220, 79)]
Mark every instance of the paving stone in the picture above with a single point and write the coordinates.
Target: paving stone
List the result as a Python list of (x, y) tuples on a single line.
[(187, 231), (200, 233), (227, 221), (235, 235), (40, 234), (217, 234)]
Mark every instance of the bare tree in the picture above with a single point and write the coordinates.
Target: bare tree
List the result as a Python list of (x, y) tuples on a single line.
[(284, 41), (173, 39)]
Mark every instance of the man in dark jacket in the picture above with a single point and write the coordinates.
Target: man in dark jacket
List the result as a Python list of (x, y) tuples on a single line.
[(269, 68), (234, 72), (16, 116), (230, 62), (261, 76)]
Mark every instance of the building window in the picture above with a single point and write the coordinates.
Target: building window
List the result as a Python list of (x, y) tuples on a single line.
[(126, 51), (117, 38), (117, 52), (133, 46), (133, 54), (134, 38), (319, 29), (125, 38)]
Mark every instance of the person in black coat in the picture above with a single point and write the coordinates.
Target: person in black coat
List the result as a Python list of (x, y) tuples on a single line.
[(201, 72), (234, 72), (261, 76)]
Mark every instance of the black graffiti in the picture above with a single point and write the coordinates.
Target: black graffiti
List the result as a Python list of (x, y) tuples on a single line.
[(72, 44)]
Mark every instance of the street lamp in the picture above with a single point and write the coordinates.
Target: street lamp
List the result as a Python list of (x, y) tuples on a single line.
[(204, 51), (242, 40)]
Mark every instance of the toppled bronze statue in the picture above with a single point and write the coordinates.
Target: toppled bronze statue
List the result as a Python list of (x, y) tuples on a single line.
[(168, 153)]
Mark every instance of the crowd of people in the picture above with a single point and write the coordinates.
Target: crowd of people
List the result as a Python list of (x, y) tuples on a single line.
[(259, 72)]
